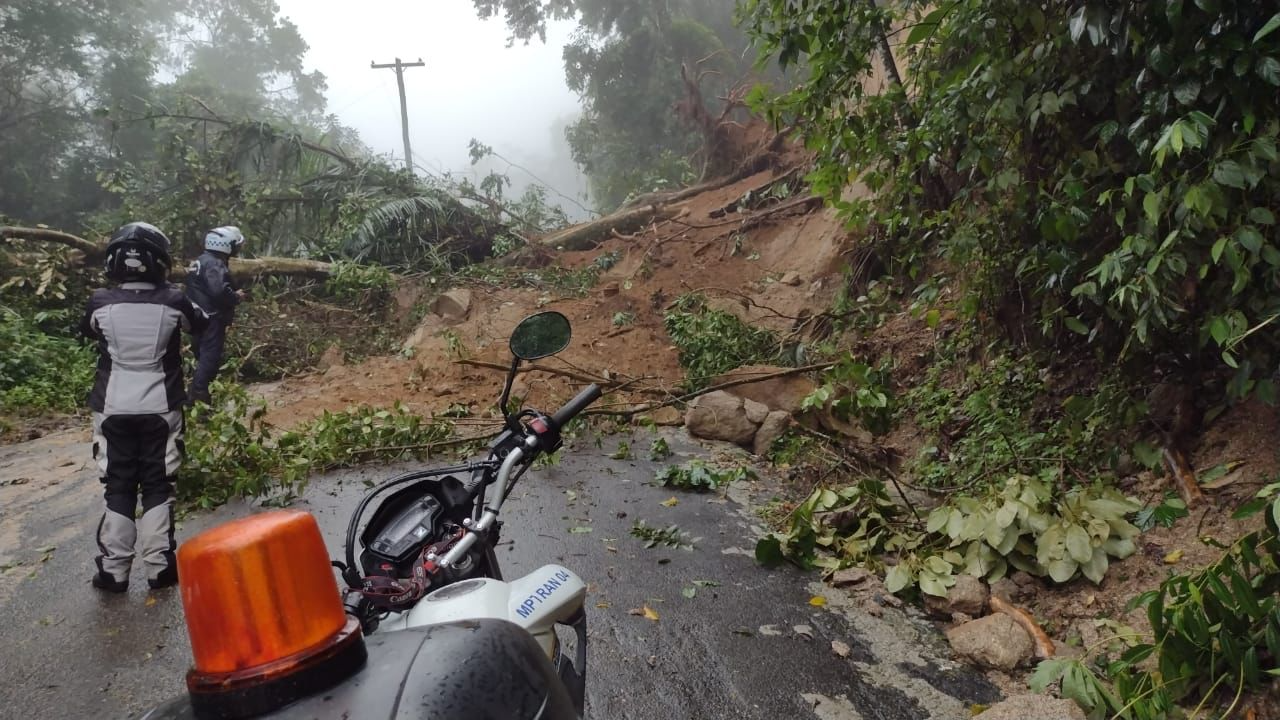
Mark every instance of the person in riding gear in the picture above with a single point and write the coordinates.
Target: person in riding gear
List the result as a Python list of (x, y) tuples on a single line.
[(137, 400), (210, 287)]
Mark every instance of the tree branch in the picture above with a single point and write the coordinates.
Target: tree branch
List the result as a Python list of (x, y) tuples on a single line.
[(241, 268), (348, 162)]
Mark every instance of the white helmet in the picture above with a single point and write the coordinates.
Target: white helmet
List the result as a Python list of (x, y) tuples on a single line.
[(226, 239)]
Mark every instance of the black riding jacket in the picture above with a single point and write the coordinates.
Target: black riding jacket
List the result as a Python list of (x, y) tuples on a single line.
[(209, 284)]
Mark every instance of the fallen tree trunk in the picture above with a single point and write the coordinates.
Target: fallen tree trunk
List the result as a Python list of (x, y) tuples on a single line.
[(248, 268), (91, 249), (241, 269), (588, 235), (758, 162)]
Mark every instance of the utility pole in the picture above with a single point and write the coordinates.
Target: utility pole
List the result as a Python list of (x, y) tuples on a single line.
[(404, 110)]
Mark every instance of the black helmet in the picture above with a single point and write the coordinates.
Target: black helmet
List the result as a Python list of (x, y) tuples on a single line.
[(138, 252)]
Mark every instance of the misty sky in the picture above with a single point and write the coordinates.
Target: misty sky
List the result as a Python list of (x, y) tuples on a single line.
[(473, 85)]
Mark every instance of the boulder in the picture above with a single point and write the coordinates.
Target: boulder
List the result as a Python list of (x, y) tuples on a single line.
[(665, 416), (756, 411), (968, 596), (1033, 707), (995, 642), (774, 425), (331, 358), (720, 416), (779, 393), (790, 277), (1006, 589), (453, 306), (850, 576)]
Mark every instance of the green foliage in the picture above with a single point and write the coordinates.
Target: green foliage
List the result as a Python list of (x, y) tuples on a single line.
[(102, 68), (670, 536), (1111, 165), (368, 284), (792, 447), (231, 452), (712, 342), (39, 371), (833, 528), (1022, 524), (698, 476), (1170, 510), (1214, 633), (659, 450), (853, 390), (998, 415)]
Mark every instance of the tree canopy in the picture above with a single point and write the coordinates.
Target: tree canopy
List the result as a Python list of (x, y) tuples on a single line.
[(625, 63), (1108, 169)]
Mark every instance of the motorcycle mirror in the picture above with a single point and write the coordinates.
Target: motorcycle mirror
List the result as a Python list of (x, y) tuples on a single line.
[(541, 335)]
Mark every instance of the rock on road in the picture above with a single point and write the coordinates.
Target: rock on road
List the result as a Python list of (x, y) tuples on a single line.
[(747, 644)]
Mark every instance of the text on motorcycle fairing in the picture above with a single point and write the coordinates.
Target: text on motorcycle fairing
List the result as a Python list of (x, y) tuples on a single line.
[(543, 593)]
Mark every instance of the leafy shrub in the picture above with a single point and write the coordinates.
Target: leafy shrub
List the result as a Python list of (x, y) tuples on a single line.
[(1113, 166), (231, 452), (354, 282), (1214, 630), (712, 342), (41, 372), (1024, 524), (853, 390), (999, 419)]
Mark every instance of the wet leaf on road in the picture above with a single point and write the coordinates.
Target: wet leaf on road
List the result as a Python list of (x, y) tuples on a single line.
[(151, 600), (1173, 557), (817, 601), (689, 592), (603, 605), (570, 496), (646, 612), (840, 648), (744, 632), (803, 631), (580, 530), (670, 502)]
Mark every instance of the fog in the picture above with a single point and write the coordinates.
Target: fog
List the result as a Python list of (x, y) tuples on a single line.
[(473, 86)]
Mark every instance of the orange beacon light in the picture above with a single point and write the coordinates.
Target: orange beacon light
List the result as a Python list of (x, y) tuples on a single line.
[(266, 622)]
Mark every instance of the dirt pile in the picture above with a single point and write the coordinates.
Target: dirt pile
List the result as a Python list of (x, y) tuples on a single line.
[(781, 269)]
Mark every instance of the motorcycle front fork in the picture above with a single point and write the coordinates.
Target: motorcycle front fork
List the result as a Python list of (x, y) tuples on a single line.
[(573, 673)]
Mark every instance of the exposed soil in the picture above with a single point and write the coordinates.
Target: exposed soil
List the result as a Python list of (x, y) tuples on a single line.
[(741, 270)]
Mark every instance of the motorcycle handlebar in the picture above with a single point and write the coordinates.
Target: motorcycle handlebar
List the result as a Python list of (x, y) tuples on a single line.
[(589, 394)]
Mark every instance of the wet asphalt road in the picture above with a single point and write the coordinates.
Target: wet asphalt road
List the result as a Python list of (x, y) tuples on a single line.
[(731, 651)]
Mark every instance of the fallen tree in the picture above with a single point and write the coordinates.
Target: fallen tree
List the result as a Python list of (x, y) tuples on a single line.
[(588, 235), (242, 269)]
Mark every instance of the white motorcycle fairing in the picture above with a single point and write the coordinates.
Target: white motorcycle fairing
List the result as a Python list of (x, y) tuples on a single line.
[(536, 602)]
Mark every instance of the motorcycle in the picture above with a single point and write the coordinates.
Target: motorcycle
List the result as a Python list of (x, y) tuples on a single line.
[(428, 627)]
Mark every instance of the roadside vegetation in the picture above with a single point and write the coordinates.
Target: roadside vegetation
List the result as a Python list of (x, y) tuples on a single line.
[(1064, 266)]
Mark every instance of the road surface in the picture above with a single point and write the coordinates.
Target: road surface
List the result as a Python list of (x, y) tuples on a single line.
[(748, 644)]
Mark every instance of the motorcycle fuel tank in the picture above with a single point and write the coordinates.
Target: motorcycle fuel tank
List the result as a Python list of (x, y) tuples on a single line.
[(549, 595), (467, 670)]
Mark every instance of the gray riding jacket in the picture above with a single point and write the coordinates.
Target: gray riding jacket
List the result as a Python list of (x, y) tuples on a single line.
[(139, 347)]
